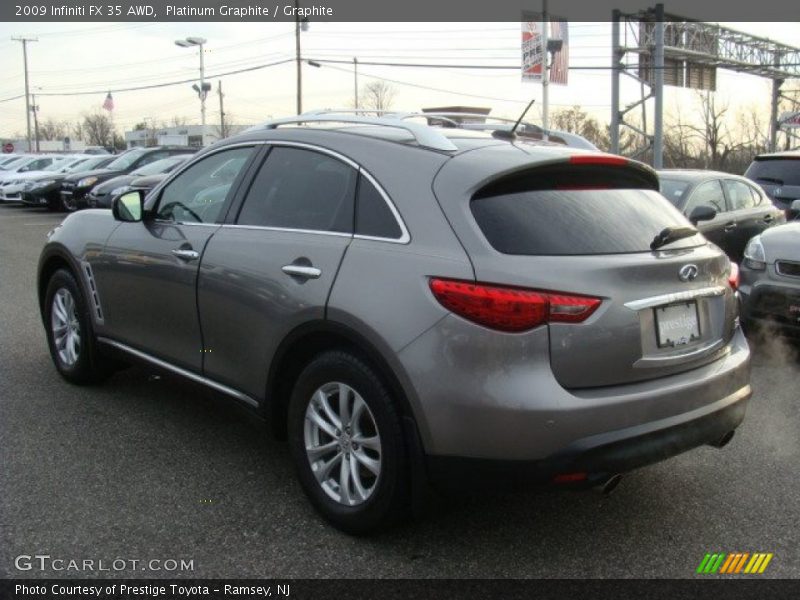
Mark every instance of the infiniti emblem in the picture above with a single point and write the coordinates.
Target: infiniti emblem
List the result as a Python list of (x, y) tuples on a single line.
[(688, 273)]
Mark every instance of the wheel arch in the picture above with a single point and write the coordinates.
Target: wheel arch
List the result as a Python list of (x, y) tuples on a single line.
[(309, 340), (50, 262)]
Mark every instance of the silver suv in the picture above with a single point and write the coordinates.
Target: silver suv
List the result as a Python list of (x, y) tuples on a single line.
[(410, 305)]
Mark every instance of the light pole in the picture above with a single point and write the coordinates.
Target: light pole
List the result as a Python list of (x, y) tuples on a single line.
[(299, 25), (202, 90)]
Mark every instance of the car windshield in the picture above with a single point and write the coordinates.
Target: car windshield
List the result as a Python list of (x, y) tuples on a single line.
[(165, 165), (94, 163), (124, 161), (61, 163), (673, 189)]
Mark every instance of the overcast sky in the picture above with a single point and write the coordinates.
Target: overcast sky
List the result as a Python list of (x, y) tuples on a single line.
[(79, 57)]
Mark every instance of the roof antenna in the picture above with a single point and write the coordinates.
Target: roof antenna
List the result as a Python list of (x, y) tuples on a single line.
[(512, 133)]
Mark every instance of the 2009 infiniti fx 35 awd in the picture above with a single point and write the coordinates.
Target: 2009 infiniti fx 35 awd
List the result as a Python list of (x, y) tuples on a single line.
[(408, 303)]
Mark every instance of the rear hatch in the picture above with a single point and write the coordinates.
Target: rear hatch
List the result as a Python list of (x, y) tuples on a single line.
[(779, 175), (580, 226)]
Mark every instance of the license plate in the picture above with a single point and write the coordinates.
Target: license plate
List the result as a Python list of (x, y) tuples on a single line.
[(677, 324)]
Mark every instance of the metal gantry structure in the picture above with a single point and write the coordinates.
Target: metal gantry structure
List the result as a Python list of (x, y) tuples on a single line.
[(673, 50)]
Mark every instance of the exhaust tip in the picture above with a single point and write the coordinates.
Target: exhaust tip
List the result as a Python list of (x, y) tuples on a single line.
[(610, 484), (723, 441)]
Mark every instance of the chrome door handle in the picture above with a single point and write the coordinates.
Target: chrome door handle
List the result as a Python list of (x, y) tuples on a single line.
[(185, 254), (301, 271), (730, 226)]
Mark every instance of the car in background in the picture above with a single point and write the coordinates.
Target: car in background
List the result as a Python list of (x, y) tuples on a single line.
[(95, 150), (45, 189), (779, 175), (444, 305), (31, 166), (101, 194), (727, 209), (770, 279), (8, 159), (75, 187), (11, 189)]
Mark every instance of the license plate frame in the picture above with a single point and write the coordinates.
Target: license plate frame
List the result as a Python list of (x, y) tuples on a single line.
[(677, 324)]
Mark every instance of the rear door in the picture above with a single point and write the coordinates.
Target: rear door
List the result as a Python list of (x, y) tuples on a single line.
[(271, 265), (752, 216), (586, 230)]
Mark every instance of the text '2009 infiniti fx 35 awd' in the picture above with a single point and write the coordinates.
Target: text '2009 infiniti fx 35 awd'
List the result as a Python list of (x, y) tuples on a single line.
[(407, 303)]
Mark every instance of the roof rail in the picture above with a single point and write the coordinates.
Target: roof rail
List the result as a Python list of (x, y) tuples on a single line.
[(425, 136)]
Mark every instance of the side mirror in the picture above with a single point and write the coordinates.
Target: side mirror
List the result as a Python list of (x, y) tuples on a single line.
[(795, 206), (128, 207), (702, 213)]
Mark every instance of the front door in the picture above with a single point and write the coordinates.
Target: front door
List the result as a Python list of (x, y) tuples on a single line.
[(147, 275)]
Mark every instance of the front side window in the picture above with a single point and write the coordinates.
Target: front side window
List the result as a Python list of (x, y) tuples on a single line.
[(707, 194), (198, 194), (301, 189)]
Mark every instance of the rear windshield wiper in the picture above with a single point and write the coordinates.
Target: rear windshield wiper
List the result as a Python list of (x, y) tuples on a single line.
[(770, 180), (671, 234)]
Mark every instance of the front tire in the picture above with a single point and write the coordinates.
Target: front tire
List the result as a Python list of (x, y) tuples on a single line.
[(346, 439), (70, 336)]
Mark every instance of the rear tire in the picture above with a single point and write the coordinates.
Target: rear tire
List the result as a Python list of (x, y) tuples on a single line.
[(350, 457), (70, 336)]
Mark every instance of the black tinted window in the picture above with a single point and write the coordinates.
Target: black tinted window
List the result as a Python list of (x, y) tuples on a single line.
[(577, 222), (198, 194), (373, 216), (784, 171), (301, 189)]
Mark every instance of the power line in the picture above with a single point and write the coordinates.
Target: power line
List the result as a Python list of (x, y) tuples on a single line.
[(167, 83)]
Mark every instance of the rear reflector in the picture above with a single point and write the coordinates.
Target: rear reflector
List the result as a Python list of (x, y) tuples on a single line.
[(598, 159), (733, 276), (508, 308), (570, 477)]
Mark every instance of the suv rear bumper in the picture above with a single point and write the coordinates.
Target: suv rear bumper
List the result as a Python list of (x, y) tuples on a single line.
[(598, 456), (488, 396)]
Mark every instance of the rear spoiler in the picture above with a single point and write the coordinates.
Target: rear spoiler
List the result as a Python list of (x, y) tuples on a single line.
[(575, 172)]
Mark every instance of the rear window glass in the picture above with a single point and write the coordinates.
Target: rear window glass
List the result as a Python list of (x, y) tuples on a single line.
[(577, 222), (782, 171)]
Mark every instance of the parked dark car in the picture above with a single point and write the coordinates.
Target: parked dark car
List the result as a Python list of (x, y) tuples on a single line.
[(779, 175), (770, 279), (405, 302), (741, 208), (75, 187), (46, 189), (100, 195)]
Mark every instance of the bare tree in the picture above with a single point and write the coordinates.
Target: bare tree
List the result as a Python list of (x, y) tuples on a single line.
[(377, 95), (99, 129), (51, 129)]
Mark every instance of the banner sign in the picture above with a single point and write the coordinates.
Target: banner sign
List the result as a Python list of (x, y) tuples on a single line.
[(532, 51)]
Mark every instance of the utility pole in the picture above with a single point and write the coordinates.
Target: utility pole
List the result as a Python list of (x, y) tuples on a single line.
[(297, 58), (355, 81), (222, 133), (658, 128), (35, 109), (24, 42), (545, 70), (616, 68)]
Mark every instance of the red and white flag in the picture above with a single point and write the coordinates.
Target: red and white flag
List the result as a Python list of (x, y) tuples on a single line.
[(108, 104), (559, 69)]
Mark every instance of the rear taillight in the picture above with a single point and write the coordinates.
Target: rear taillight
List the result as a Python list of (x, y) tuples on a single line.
[(598, 159), (508, 308), (733, 276)]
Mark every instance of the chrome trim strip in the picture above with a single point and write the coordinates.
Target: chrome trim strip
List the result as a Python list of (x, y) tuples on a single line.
[(674, 297), (94, 295), (287, 230), (180, 371), (677, 359)]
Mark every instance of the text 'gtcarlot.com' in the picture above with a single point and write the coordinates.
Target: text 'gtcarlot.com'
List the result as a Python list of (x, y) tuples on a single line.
[(45, 562)]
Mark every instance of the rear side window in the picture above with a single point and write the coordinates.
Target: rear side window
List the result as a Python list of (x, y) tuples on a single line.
[(373, 216), (301, 189), (781, 171), (739, 195), (577, 222)]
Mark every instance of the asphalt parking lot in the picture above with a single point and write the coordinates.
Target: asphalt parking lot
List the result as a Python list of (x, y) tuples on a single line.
[(150, 468)]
